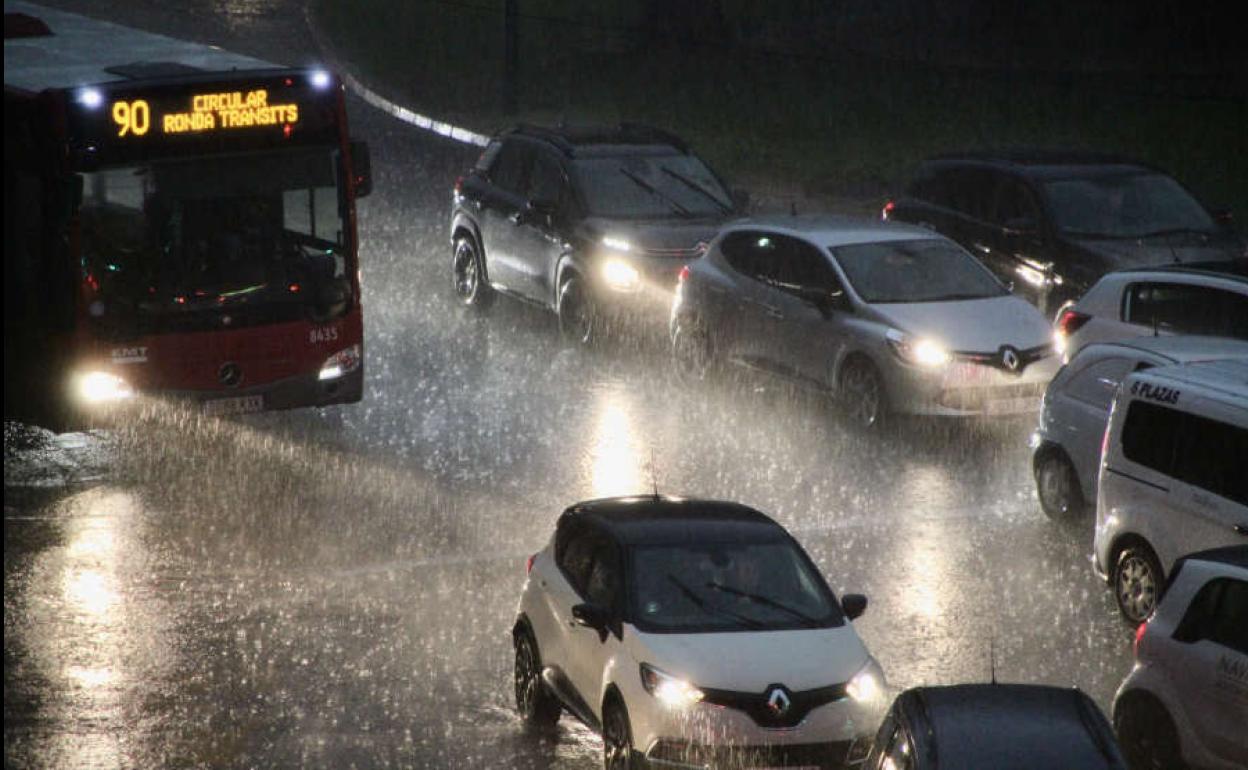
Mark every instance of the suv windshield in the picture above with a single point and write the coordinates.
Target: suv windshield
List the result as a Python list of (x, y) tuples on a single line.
[(728, 587), (1125, 206), (179, 245), (649, 187), (915, 271)]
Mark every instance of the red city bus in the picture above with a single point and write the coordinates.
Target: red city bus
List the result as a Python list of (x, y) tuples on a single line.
[(182, 226)]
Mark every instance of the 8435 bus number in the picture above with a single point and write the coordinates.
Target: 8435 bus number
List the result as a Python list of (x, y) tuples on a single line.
[(323, 334)]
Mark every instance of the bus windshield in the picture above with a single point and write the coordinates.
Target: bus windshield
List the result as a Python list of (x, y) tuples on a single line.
[(200, 243)]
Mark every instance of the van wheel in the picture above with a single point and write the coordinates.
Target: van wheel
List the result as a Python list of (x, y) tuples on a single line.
[(537, 706), (1057, 485), (1147, 736), (1137, 582)]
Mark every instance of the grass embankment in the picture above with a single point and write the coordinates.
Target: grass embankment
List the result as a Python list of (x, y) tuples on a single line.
[(827, 126)]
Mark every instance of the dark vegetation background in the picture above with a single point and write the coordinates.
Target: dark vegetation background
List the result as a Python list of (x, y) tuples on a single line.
[(835, 97)]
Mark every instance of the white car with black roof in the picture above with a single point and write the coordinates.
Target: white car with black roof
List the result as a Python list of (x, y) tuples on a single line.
[(693, 633)]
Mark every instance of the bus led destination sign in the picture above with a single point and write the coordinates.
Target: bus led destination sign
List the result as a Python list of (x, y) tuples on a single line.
[(220, 111)]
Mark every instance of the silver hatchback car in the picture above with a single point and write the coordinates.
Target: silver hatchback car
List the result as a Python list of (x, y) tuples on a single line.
[(889, 317)]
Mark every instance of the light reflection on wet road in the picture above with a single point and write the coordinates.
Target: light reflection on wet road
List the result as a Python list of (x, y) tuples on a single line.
[(336, 589)]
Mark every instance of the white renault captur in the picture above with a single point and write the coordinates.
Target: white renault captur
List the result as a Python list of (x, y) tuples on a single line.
[(693, 633)]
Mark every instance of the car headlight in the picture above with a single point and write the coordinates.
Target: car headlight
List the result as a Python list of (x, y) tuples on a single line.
[(620, 275), (344, 361), (102, 388), (919, 351), (867, 684), (672, 691)]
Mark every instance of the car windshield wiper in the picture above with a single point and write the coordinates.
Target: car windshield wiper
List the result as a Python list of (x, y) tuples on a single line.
[(701, 604), (692, 185), (643, 184), (1173, 231), (764, 600), (961, 295)]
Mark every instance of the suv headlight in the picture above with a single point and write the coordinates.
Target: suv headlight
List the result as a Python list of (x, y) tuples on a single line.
[(867, 684), (918, 351), (620, 276), (671, 690), (343, 362)]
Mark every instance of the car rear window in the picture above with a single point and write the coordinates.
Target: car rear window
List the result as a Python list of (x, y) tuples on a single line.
[(1182, 308)]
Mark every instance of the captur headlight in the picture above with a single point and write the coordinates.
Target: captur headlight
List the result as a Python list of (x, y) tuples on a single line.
[(867, 684), (919, 351), (672, 691), (103, 388)]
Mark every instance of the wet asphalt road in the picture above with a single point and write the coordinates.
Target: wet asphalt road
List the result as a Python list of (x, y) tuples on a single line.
[(335, 589)]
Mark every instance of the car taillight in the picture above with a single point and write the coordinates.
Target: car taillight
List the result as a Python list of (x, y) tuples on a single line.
[(1139, 637), (683, 275), (887, 212), (528, 564), (1070, 321)]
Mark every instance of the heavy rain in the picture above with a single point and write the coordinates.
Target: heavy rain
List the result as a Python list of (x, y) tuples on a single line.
[(337, 587)]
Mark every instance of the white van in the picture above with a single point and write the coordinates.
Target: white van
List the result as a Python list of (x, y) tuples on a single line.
[(1173, 477)]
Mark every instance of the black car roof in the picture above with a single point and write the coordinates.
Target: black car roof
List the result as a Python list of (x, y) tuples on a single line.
[(989, 726), (575, 141), (1041, 162), (659, 519)]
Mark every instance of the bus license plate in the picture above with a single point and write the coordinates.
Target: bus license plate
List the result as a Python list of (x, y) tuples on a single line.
[(241, 405)]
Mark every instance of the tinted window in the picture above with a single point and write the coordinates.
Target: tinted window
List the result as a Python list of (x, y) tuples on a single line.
[(1218, 613), (915, 271), (1193, 449), (577, 557), (728, 587), (1097, 383), (794, 262), (970, 191), (1124, 206), (604, 576), (749, 253), (510, 170), (1015, 205), (1186, 309), (546, 180)]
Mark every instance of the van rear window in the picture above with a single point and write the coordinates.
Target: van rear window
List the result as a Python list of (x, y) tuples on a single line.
[(1190, 448)]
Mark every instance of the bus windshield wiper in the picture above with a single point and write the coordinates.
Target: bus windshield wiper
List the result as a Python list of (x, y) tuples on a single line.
[(643, 184), (692, 185), (701, 604), (764, 600)]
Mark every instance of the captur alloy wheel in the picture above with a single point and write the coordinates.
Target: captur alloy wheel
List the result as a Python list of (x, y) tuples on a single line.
[(863, 393), (537, 707), (1137, 580), (617, 738), (691, 350)]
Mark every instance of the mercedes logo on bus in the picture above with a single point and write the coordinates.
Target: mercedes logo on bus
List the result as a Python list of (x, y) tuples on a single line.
[(778, 701), (230, 374)]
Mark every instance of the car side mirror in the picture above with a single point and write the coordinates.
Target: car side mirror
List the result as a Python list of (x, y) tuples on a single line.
[(591, 615), (361, 169), (853, 605)]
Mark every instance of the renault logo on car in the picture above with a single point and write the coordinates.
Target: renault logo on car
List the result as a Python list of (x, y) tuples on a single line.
[(1009, 357), (778, 701)]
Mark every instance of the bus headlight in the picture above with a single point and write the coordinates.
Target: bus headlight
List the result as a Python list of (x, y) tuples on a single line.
[(103, 388), (343, 362), (620, 275), (673, 692)]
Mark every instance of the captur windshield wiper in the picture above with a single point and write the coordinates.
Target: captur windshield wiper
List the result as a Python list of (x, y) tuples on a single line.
[(701, 604), (764, 600), (692, 185), (643, 184)]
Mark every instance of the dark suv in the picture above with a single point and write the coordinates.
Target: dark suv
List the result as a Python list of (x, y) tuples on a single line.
[(594, 223), (1052, 223)]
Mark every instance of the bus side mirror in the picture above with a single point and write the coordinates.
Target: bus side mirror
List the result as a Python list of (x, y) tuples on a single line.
[(361, 169)]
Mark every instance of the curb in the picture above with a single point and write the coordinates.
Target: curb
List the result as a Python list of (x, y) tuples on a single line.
[(424, 122)]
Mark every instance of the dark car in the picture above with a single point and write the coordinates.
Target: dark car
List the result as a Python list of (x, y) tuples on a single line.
[(1053, 222), (995, 726), (592, 222)]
